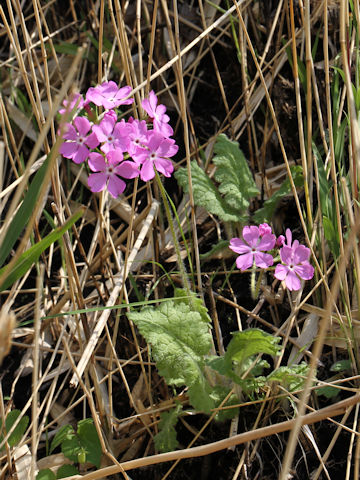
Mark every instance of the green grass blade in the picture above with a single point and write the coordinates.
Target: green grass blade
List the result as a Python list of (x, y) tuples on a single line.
[(23, 214), (29, 257)]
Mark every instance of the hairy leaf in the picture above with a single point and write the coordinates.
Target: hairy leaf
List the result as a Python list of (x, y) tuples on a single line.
[(165, 440), (233, 174), (292, 378), (179, 339), (206, 194)]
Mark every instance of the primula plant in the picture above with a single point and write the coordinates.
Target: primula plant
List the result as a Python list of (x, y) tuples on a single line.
[(294, 257), (116, 149)]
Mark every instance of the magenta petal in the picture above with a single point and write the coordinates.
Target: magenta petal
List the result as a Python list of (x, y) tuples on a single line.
[(127, 170), (83, 125), (116, 186), (96, 162), (305, 271), (281, 271), (267, 242), (243, 262), (92, 141), (68, 149), (81, 154), (288, 234), (301, 254), (263, 260), (292, 281), (70, 132), (115, 156), (97, 181), (164, 166), (251, 235), (163, 128), (147, 171), (286, 254), (238, 246)]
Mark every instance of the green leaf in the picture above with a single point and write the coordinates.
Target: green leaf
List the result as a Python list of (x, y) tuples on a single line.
[(90, 441), (66, 431), (206, 194), (194, 302), (23, 214), (232, 172), (251, 342), (46, 474), (19, 430), (66, 471), (71, 448), (292, 378), (266, 213), (31, 255), (165, 440), (179, 339), (341, 366), (219, 393)]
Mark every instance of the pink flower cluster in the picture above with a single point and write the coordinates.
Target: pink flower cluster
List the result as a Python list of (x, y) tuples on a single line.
[(117, 150), (259, 240)]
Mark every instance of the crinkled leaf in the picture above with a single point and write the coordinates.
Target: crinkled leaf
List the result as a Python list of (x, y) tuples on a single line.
[(19, 430), (179, 339), (250, 342), (194, 302), (252, 385), (46, 474), (90, 441), (233, 174), (266, 213), (219, 393), (292, 378), (66, 471), (66, 431), (165, 440), (206, 194)]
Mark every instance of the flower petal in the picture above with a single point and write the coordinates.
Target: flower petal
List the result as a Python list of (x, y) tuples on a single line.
[(301, 254), (292, 281), (116, 186), (281, 271), (97, 181), (263, 260), (243, 262), (96, 162), (238, 246), (305, 271), (83, 125), (251, 235), (81, 154), (147, 171), (267, 242), (286, 254)]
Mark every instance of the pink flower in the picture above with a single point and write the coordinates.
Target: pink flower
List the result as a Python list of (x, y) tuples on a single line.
[(75, 100), (108, 172), (78, 141), (112, 136), (109, 95), (157, 154), (280, 241), (295, 263), (138, 136), (253, 248), (157, 114), (264, 228)]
